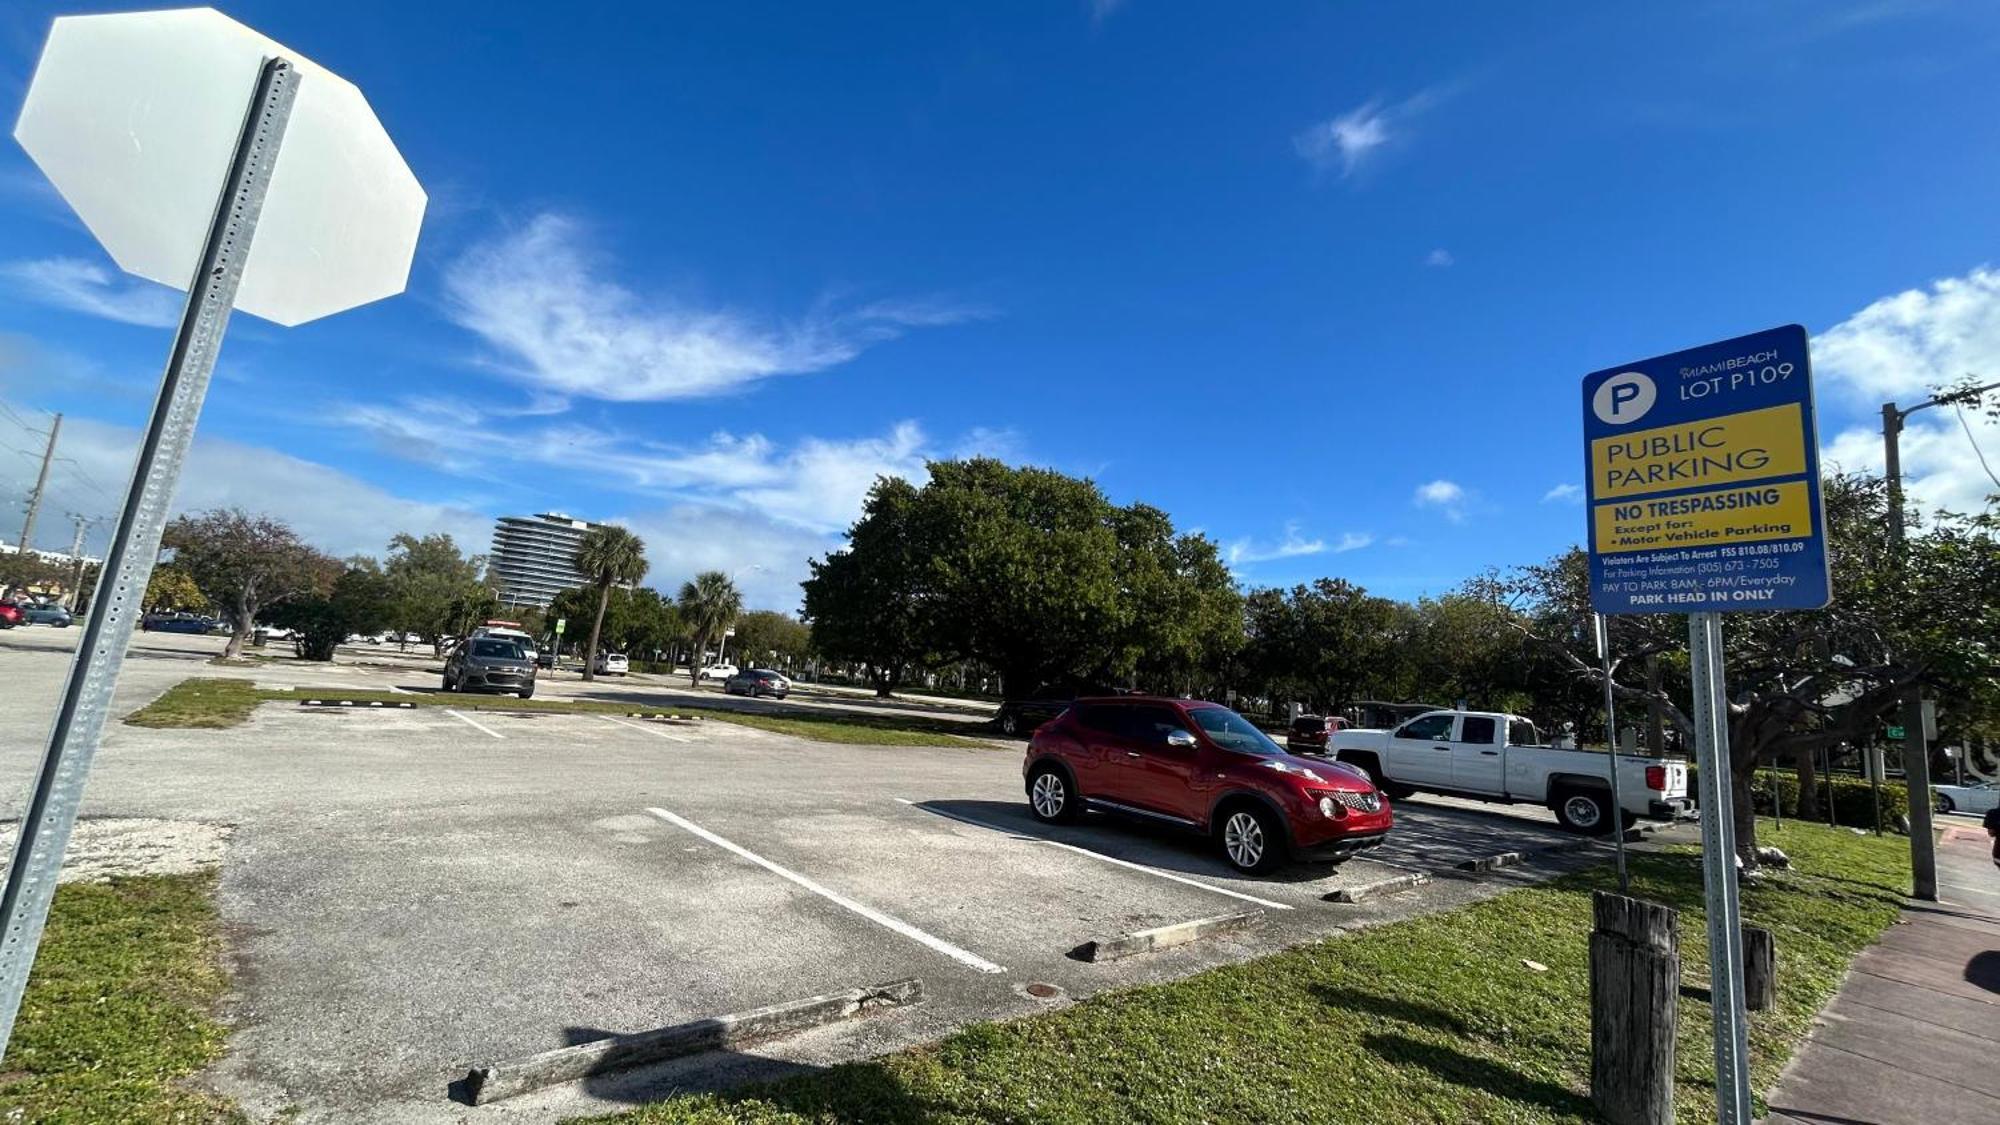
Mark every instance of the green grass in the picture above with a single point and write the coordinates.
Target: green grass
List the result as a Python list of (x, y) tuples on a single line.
[(225, 703), (201, 702), (1433, 1019), (117, 1014)]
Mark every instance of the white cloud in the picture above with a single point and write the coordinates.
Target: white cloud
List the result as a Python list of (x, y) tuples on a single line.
[(1293, 545), (332, 510), (556, 324), (1101, 10), (1446, 496), (84, 286), (1440, 258), (1345, 141), (1565, 493), (1902, 348)]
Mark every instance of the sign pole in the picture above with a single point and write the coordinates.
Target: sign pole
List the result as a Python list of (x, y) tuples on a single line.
[(1718, 861), (1611, 744), (135, 543)]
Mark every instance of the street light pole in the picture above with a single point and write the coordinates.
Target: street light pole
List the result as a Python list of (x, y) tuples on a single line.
[(1916, 751)]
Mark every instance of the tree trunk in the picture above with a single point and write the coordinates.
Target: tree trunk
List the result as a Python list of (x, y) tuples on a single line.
[(697, 658), (246, 620), (596, 628), (1807, 765)]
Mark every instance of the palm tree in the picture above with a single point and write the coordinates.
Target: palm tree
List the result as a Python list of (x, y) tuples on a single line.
[(608, 556), (709, 606)]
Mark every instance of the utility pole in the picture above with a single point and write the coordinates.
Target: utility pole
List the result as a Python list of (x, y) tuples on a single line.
[(1916, 751), (83, 523), (41, 485)]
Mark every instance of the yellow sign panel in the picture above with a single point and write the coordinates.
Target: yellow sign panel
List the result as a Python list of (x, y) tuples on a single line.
[(1753, 445), (1725, 515)]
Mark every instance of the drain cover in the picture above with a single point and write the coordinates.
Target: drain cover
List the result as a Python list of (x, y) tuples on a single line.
[(1041, 991)]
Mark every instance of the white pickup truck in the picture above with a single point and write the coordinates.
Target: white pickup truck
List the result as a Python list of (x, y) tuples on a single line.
[(1499, 757)]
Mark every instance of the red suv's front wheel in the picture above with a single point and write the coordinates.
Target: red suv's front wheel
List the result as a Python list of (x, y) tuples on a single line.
[(1252, 840)]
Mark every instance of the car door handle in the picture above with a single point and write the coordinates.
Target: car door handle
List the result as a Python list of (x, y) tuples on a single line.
[(1489, 753), (1133, 754), (1446, 749)]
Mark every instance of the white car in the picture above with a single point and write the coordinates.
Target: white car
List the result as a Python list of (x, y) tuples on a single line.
[(1977, 798), (718, 671), (611, 664)]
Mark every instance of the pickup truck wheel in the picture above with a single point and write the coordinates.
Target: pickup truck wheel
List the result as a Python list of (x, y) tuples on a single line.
[(1009, 724), (1584, 811), (1252, 840), (1051, 798)]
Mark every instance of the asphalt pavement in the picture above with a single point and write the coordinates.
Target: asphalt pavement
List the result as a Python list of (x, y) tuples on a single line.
[(411, 892)]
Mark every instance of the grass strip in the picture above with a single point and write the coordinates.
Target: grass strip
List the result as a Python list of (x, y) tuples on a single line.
[(1434, 1019), (118, 1010), (227, 702)]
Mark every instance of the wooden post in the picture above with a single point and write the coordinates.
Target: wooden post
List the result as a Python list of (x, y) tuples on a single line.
[(1760, 969), (1635, 978)]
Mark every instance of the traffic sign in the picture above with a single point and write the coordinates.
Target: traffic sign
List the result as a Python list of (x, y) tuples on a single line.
[(133, 118), (1896, 734), (561, 624), (1703, 480)]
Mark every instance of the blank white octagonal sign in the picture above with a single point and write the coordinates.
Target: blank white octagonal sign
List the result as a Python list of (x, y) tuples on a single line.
[(134, 118)]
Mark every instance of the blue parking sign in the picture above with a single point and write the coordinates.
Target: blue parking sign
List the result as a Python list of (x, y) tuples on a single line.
[(1702, 471)]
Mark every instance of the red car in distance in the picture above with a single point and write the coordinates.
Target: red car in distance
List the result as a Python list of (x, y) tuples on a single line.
[(10, 615), (1202, 767)]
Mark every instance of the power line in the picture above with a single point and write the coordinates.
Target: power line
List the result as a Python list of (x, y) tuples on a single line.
[(1976, 451)]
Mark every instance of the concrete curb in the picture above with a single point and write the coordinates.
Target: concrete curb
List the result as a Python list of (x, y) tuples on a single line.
[(352, 703), (663, 715), (486, 1084), (1165, 937), (1491, 862), (1379, 887)]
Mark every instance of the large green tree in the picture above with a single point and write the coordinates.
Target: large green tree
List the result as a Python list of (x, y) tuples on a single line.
[(608, 556), (766, 636), (359, 599), (709, 605), (1027, 571), (242, 563), (435, 591), (1329, 644)]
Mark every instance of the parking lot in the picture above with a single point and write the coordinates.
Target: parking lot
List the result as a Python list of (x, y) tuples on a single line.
[(410, 892)]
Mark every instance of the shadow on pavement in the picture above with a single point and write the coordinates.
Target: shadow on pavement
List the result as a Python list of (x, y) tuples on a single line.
[(1984, 970), (1474, 1073)]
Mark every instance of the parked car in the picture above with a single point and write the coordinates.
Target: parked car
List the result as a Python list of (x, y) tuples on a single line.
[(489, 664), (507, 633), (1204, 768), (611, 664), (180, 623), (1978, 798), (754, 682), (1494, 756), (10, 615), (1308, 733), (1022, 716), (717, 672), (545, 658)]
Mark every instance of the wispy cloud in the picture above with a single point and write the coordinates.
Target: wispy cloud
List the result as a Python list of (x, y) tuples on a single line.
[(1101, 10), (1346, 143), (1445, 496), (84, 286), (1294, 545), (1440, 258), (556, 323), (1564, 493)]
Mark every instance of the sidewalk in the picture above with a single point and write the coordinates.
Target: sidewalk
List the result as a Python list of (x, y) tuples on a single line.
[(1914, 1032)]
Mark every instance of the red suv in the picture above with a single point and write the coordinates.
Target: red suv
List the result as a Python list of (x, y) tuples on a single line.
[(1203, 767)]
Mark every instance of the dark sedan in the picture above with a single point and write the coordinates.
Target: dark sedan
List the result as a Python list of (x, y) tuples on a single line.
[(489, 664), (754, 682)]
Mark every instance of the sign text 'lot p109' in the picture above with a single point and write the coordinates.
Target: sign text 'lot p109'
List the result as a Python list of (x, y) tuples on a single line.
[(1703, 471)]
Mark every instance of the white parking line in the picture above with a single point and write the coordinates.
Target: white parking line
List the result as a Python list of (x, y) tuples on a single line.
[(1139, 867), (649, 730), (838, 899), (402, 690), (474, 723)]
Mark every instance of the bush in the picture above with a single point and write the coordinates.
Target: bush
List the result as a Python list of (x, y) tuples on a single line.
[(1853, 798)]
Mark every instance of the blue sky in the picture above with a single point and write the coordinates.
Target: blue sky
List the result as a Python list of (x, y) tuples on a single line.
[(1319, 280)]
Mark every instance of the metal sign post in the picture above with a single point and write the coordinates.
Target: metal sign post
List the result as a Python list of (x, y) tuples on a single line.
[(138, 121), (1611, 744), (1718, 870), (1704, 498), (121, 585)]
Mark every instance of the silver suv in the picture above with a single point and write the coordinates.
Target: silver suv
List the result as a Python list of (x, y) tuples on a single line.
[(489, 664)]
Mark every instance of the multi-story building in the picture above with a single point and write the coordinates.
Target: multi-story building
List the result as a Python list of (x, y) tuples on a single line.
[(533, 558)]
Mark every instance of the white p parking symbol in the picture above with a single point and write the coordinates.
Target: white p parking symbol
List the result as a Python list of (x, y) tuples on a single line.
[(1623, 398)]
